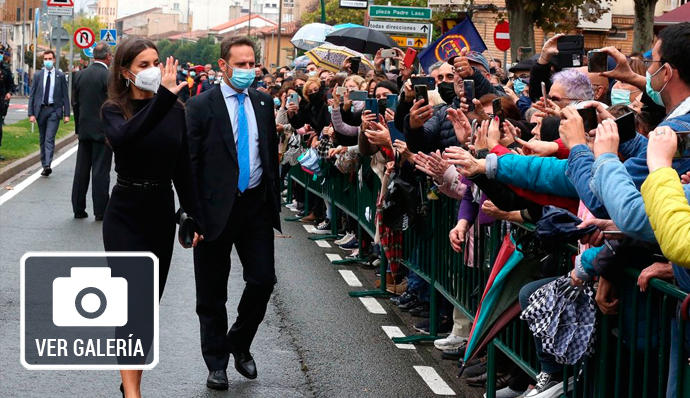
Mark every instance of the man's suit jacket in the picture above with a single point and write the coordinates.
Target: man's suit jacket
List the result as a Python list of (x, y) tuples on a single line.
[(214, 156), (90, 90), (60, 93)]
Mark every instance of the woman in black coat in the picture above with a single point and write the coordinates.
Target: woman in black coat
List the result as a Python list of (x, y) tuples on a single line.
[(145, 125)]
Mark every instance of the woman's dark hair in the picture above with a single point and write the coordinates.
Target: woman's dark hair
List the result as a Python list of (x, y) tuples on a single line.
[(118, 89), (619, 110), (549, 128), (387, 84)]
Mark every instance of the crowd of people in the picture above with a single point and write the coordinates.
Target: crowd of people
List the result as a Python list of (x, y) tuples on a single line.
[(523, 143)]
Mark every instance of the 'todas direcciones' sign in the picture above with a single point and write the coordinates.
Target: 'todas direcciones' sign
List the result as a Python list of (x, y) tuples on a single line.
[(359, 4)]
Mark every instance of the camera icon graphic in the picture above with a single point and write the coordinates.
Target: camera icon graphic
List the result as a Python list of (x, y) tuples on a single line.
[(90, 297)]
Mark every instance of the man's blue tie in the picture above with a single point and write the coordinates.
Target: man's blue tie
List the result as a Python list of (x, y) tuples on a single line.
[(242, 143)]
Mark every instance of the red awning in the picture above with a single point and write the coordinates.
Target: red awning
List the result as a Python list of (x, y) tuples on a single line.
[(677, 15)]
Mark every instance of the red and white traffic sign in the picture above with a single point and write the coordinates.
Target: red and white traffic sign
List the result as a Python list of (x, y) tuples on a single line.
[(84, 37), (60, 3), (502, 36)]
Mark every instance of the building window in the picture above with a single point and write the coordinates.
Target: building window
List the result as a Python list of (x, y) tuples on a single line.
[(617, 35)]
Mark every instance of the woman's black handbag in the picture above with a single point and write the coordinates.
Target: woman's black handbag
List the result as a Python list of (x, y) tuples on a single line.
[(400, 203)]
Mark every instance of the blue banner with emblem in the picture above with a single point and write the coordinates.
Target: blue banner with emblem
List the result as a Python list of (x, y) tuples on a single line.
[(462, 35)]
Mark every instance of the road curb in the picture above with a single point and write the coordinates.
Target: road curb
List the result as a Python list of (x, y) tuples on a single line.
[(27, 161)]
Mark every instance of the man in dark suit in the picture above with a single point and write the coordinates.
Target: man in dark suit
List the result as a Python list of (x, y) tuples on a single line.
[(94, 157), (48, 103), (234, 151)]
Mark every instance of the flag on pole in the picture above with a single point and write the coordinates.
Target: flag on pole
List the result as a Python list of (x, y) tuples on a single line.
[(462, 35)]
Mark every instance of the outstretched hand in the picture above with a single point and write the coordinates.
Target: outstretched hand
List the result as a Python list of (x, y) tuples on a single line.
[(169, 76)]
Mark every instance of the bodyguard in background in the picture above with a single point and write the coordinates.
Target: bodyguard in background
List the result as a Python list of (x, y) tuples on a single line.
[(48, 103), (233, 147), (94, 157)]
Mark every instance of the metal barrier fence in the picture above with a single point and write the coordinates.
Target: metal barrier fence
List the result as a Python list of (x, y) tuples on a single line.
[(632, 348)]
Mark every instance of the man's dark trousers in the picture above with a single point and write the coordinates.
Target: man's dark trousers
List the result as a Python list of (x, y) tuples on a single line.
[(250, 230), (48, 123), (96, 156)]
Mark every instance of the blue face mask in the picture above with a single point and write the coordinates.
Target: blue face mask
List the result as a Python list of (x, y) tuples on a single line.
[(620, 96), (48, 64), (1, 57), (242, 78), (519, 86), (653, 94), (192, 74), (276, 102)]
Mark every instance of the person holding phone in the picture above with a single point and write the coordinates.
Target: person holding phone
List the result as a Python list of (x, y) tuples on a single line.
[(313, 108), (144, 123)]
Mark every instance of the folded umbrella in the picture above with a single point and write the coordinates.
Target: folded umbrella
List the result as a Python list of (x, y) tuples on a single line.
[(332, 57), (311, 35), (365, 40), (560, 226)]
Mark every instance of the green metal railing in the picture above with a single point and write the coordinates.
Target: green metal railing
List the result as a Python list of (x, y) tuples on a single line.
[(632, 348)]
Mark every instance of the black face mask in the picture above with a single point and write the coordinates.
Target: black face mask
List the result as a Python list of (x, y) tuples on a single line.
[(316, 98), (447, 91), (299, 90)]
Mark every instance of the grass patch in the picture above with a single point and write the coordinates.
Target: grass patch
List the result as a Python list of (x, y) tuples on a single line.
[(18, 141)]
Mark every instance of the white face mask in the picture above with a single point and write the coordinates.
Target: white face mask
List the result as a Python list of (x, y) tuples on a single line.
[(148, 79)]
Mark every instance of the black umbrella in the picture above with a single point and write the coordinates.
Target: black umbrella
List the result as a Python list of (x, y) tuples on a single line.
[(362, 39)]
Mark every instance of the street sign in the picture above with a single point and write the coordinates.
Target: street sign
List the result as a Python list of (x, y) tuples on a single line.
[(84, 37), (404, 41), (60, 3), (89, 51), (60, 11), (360, 4), (401, 27), (59, 37), (502, 36), (395, 12), (109, 36)]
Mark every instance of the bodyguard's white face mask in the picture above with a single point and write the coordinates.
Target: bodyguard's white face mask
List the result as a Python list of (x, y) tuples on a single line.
[(148, 79)]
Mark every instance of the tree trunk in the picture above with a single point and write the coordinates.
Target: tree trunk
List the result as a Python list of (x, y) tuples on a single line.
[(643, 29), (521, 27)]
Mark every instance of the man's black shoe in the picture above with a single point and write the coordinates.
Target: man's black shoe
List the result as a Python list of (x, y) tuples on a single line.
[(217, 380), (245, 365), (99, 217), (455, 353), (81, 214), (46, 171)]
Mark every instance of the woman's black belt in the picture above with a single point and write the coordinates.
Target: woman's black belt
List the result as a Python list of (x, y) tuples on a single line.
[(141, 184)]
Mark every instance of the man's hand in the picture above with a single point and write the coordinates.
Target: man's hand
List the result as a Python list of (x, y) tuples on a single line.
[(32, 119), (607, 138), (656, 270), (66, 119), (419, 114), (8, 96), (169, 76), (549, 49), (461, 125), (606, 297), (622, 71), (661, 148), (457, 235), (490, 209), (462, 65), (572, 129), (197, 238)]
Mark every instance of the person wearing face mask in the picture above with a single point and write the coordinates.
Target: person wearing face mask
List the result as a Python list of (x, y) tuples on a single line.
[(94, 157), (144, 124), (313, 110), (48, 103), (234, 149)]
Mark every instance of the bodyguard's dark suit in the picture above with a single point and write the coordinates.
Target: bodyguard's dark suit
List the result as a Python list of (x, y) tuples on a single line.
[(48, 116), (229, 218), (94, 157)]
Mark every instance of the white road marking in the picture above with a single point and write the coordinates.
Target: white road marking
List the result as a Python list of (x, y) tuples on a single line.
[(372, 305), (322, 243), (309, 228), (30, 180), (350, 278), (434, 381), (333, 257), (293, 210), (394, 331)]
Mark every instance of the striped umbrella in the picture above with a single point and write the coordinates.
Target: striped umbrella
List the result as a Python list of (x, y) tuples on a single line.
[(331, 57)]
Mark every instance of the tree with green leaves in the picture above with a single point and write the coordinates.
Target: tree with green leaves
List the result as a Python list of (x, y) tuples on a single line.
[(81, 21), (204, 51), (643, 28)]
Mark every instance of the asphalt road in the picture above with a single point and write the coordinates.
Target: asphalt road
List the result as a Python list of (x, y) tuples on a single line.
[(315, 341), (18, 110)]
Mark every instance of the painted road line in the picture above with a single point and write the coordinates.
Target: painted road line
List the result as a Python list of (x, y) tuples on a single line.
[(350, 278), (322, 243), (372, 305), (30, 180), (309, 228), (333, 257), (394, 331), (434, 381)]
